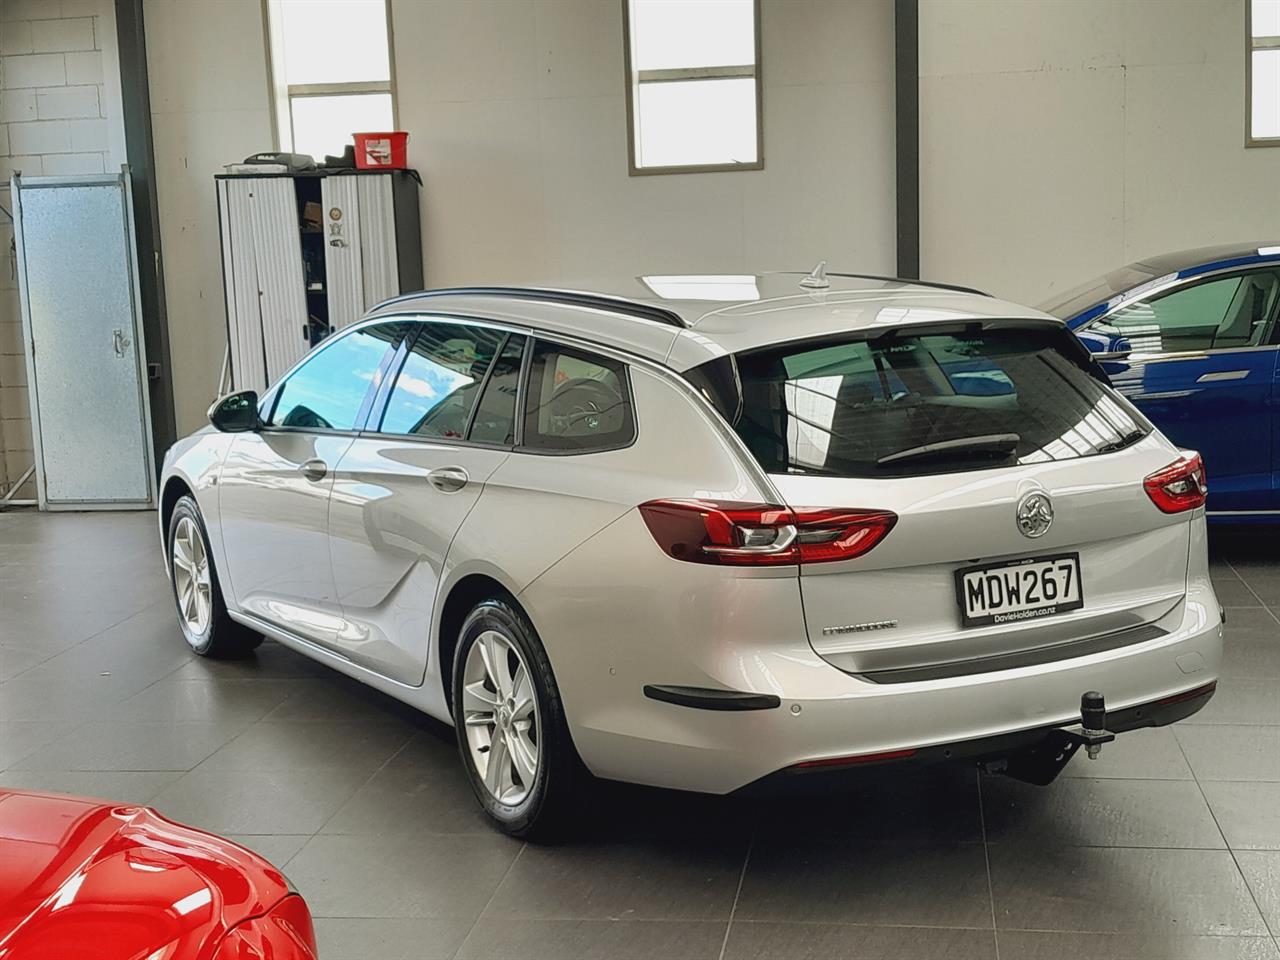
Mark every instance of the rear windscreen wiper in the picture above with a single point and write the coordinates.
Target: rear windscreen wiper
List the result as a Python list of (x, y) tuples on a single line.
[(989, 445), (1133, 436)]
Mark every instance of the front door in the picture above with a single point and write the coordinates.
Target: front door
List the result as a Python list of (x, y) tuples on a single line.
[(1202, 368), (275, 484), (85, 361), (405, 486)]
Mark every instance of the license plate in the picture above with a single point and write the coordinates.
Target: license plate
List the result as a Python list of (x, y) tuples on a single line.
[(1020, 590)]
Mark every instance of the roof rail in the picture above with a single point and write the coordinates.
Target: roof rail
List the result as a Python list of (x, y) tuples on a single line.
[(597, 301), (919, 283)]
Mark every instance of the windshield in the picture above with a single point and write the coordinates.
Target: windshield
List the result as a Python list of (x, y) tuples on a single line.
[(908, 405), (1066, 305)]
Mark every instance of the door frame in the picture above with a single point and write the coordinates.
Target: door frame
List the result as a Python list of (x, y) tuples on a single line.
[(123, 181)]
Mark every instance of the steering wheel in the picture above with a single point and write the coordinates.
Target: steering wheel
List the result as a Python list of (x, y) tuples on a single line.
[(581, 403)]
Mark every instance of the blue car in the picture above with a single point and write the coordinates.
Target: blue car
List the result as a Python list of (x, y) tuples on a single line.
[(1192, 339)]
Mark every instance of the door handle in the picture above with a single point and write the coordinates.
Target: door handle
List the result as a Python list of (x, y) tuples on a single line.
[(448, 479), (315, 469), (1219, 375), (119, 342)]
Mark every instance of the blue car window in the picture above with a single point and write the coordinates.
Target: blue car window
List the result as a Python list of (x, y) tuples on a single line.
[(1221, 313)]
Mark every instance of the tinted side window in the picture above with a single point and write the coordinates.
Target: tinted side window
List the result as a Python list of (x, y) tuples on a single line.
[(327, 392), (577, 401), (495, 419), (1225, 312), (436, 388)]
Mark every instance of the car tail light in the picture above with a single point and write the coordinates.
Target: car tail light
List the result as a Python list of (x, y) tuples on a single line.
[(1179, 486), (762, 534)]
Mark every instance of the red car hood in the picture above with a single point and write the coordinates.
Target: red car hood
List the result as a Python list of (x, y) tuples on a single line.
[(95, 881)]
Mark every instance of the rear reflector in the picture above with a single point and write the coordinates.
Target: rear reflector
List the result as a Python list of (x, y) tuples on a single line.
[(1186, 695), (1179, 486), (850, 761), (762, 534)]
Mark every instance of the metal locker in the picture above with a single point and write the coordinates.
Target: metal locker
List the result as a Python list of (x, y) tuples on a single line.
[(360, 245), (378, 253), (262, 266), (343, 260)]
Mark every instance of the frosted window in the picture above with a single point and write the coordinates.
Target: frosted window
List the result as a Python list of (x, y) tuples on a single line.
[(323, 126), (334, 41), (693, 33), (694, 89), (1266, 93), (696, 122), (1266, 18)]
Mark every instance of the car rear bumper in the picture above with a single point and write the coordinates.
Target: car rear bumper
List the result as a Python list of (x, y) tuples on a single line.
[(821, 716), (632, 657), (1157, 714)]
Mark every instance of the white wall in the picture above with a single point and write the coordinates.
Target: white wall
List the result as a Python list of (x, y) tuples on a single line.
[(517, 119), (517, 122), (59, 114), (1063, 138), (207, 70)]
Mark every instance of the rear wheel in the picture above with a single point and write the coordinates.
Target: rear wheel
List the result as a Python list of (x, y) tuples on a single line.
[(510, 721), (202, 612)]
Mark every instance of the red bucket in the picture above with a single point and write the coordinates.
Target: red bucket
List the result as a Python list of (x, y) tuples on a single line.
[(382, 151)]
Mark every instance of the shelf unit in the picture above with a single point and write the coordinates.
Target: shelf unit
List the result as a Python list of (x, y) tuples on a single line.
[(290, 280)]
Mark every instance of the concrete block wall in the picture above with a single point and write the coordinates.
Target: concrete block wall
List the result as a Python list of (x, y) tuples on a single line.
[(59, 114)]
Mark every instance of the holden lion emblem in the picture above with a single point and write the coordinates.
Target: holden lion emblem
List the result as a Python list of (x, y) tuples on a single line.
[(1035, 515)]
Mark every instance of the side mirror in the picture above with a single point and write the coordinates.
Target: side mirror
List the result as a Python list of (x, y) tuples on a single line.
[(1105, 345), (236, 412)]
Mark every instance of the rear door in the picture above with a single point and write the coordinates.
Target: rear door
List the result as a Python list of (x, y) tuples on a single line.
[(1203, 367), (443, 424), (1000, 455)]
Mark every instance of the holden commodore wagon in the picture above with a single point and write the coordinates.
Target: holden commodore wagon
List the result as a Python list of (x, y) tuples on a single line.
[(708, 533)]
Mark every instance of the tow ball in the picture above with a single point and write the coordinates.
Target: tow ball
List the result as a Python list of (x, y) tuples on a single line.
[(1042, 763), (1092, 732)]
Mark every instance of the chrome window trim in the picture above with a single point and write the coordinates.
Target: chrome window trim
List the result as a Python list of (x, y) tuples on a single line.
[(1148, 293)]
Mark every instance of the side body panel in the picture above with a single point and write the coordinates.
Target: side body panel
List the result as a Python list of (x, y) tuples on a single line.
[(274, 522), (389, 531), (536, 509), (1220, 403)]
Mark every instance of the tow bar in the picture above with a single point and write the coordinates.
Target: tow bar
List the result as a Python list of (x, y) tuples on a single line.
[(1042, 763)]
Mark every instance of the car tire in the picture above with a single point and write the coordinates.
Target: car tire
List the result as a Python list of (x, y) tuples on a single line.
[(501, 670), (202, 612)]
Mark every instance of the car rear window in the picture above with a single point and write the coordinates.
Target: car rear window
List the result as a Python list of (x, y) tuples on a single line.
[(934, 402)]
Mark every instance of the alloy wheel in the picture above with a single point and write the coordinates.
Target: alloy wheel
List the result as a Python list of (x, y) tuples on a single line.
[(192, 581), (500, 714)]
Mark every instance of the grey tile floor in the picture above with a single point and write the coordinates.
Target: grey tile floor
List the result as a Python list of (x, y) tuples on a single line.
[(1168, 848)]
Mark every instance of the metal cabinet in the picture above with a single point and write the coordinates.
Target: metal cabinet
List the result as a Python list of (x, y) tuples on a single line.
[(306, 254)]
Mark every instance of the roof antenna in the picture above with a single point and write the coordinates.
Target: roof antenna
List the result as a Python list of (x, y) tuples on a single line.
[(817, 279)]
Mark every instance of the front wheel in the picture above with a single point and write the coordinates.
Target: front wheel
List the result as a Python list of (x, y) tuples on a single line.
[(512, 733), (202, 612)]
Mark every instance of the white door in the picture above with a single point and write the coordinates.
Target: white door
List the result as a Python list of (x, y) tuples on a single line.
[(85, 362)]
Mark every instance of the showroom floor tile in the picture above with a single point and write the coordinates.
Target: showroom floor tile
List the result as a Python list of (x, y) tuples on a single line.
[(1167, 848)]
